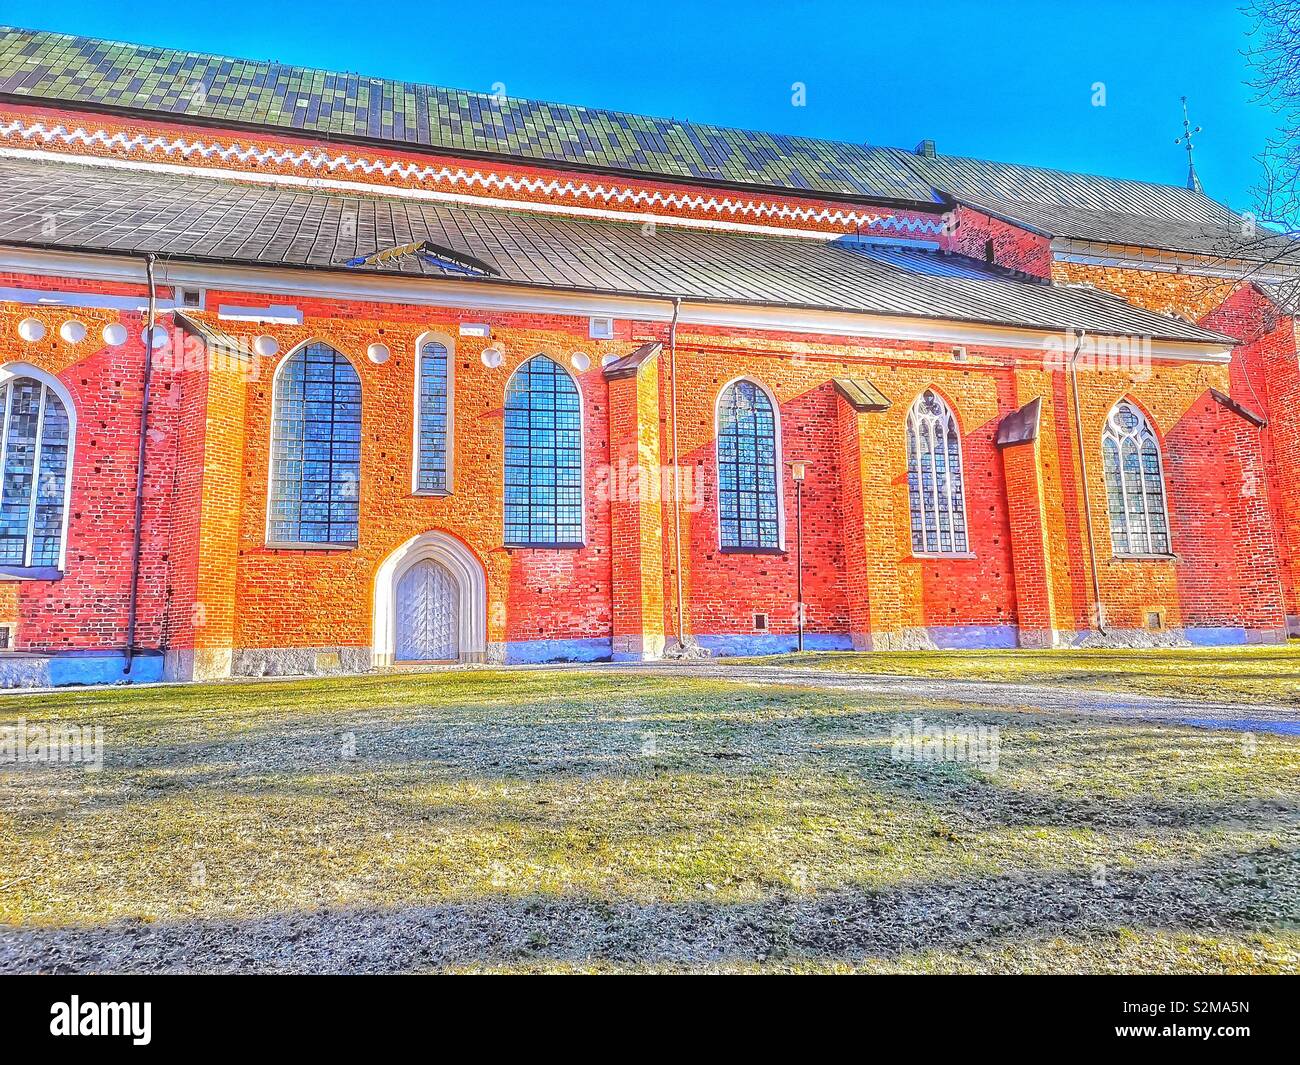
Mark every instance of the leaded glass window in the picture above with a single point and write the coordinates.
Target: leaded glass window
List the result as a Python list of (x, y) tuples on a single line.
[(34, 453), (431, 457), (315, 449), (748, 503), (543, 468), (935, 487), (1135, 483)]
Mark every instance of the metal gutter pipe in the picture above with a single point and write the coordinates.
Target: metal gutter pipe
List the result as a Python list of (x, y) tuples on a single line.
[(134, 603)]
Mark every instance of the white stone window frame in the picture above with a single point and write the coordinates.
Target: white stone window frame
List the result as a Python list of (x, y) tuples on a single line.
[(1145, 428), (912, 440), (582, 456), (291, 545), (777, 458), (9, 373), (433, 336)]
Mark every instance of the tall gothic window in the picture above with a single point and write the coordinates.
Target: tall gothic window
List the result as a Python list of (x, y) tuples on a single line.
[(1135, 483), (749, 515), (34, 450), (431, 446), (543, 469), (315, 449), (934, 477)]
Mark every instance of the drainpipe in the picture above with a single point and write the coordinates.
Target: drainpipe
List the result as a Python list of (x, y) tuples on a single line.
[(133, 605), (1083, 473), (677, 484)]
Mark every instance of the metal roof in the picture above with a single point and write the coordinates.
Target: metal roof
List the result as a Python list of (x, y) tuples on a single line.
[(109, 209), (215, 89), (1104, 210)]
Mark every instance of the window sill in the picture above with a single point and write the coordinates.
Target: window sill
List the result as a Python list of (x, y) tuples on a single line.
[(1145, 558), (544, 547), (434, 493), (752, 550), (30, 573), (926, 556), (275, 546)]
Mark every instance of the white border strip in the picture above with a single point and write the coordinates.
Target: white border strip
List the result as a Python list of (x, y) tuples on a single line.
[(488, 296)]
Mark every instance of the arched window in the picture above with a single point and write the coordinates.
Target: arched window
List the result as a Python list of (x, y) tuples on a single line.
[(432, 418), (934, 477), (749, 507), (543, 469), (1135, 483), (35, 453), (315, 449)]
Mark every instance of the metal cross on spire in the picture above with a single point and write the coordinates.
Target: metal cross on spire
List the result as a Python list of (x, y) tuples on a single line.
[(1193, 182)]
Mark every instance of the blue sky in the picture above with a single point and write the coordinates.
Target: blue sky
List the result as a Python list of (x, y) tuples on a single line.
[(1004, 81)]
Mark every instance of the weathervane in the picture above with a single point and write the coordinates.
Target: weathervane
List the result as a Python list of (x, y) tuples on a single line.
[(1193, 182)]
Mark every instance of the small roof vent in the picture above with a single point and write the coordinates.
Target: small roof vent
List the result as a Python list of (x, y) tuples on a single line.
[(925, 148)]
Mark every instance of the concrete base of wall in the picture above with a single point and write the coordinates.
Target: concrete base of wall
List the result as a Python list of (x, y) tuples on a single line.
[(300, 661), (741, 645), (78, 667), (637, 648), (202, 664), (524, 652)]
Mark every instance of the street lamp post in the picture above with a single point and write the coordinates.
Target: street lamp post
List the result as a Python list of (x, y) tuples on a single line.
[(798, 470)]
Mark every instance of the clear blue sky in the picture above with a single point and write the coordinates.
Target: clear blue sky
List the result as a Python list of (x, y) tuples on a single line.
[(1007, 81)]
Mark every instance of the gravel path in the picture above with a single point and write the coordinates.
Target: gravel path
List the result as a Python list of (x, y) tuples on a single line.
[(1244, 717)]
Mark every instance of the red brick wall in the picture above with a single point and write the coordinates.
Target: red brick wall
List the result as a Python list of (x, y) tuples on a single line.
[(87, 609), (1266, 379), (205, 518), (976, 234)]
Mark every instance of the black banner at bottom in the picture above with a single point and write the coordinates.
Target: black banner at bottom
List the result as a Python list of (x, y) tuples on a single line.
[(90, 1015)]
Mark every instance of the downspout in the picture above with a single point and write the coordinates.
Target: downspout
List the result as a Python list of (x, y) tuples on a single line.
[(1083, 474), (677, 484), (134, 602)]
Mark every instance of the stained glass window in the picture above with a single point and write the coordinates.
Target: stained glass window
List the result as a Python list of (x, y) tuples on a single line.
[(934, 478), (543, 467), (1135, 483), (432, 446), (34, 453), (315, 449), (748, 504)]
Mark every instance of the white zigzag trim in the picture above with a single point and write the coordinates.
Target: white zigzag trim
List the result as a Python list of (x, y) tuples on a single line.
[(459, 176)]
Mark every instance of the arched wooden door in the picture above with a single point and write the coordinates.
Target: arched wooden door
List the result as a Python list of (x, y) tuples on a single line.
[(428, 610)]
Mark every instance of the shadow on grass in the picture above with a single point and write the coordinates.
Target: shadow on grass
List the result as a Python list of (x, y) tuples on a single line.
[(1250, 891)]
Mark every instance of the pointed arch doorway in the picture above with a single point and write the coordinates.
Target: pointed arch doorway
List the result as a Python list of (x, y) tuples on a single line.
[(430, 603)]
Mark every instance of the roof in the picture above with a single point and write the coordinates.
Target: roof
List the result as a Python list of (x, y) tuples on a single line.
[(1286, 297), (216, 89), (1104, 210), (209, 219)]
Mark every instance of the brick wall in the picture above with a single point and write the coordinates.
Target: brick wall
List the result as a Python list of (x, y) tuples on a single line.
[(206, 553)]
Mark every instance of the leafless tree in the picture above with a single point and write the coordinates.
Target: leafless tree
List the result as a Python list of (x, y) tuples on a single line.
[(1268, 236), (1273, 52)]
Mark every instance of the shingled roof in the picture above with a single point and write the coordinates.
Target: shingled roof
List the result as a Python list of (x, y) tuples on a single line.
[(241, 93), (109, 210), (166, 82)]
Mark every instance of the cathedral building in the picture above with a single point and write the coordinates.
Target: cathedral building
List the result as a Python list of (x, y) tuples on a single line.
[(311, 372)]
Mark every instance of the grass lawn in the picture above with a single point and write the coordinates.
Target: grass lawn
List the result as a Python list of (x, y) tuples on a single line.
[(580, 820), (1268, 674)]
